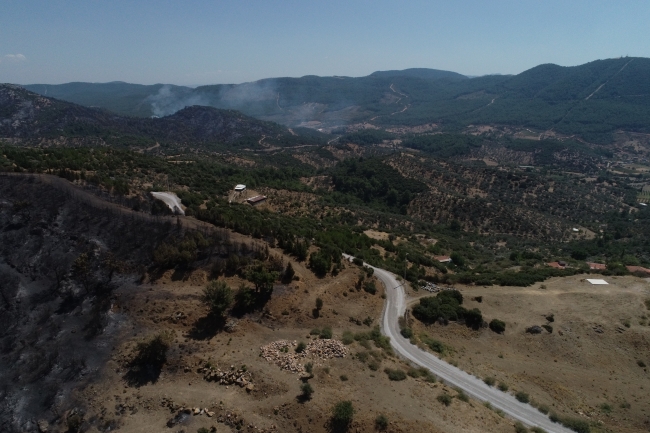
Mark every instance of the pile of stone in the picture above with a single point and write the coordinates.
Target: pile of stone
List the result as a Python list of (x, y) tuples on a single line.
[(326, 349), (434, 288), (283, 353), (233, 376)]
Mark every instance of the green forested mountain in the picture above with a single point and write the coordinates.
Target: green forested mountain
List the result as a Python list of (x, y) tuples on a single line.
[(590, 100)]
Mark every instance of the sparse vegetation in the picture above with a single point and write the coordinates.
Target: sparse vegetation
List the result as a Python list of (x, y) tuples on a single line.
[(381, 422), (325, 333), (306, 391), (497, 326), (462, 396), (489, 381), (522, 397), (301, 347), (395, 374), (342, 414), (445, 399), (218, 297), (520, 428)]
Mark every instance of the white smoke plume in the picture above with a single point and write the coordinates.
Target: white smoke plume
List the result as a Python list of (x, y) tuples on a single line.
[(167, 101)]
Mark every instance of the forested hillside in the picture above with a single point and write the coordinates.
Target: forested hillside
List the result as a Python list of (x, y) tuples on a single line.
[(27, 117), (591, 100)]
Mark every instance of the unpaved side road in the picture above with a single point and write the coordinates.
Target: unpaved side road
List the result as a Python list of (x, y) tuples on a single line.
[(395, 307)]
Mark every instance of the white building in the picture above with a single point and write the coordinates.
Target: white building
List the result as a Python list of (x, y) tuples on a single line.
[(240, 188)]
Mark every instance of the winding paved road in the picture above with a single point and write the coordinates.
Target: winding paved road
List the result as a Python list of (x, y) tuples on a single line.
[(394, 308)]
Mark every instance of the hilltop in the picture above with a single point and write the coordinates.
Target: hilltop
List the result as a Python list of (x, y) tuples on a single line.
[(591, 100)]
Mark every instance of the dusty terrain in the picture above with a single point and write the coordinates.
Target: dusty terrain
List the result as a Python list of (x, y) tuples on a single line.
[(592, 363), (168, 305)]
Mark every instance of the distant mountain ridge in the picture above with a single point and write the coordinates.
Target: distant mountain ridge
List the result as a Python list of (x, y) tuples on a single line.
[(591, 100), (30, 118), (424, 73)]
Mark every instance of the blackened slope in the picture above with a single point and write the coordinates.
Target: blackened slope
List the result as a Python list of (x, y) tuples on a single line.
[(55, 332)]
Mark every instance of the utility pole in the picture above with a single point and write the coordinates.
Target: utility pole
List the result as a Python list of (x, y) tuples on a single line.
[(405, 265)]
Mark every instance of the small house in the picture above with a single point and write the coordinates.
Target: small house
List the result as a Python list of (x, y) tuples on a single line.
[(597, 266), (240, 187), (443, 259), (638, 269), (258, 199)]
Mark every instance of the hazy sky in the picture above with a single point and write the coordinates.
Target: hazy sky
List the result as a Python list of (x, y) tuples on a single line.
[(196, 42)]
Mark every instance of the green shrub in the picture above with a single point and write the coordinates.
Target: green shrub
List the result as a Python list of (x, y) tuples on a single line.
[(395, 374), (520, 428), (576, 424), (218, 297), (554, 417), (537, 430), (348, 338), (543, 409), (462, 396), (309, 368), (301, 347), (522, 397), (640, 363), (413, 372), (344, 378), (503, 386), (306, 391), (319, 304), (314, 331), (342, 414), (370, 287), (605, 408), (381, 422), (407, 332), (374, 365), (489, 381), (326, 333), (444, 399), (497, 326), (203, 430), (548, 328)]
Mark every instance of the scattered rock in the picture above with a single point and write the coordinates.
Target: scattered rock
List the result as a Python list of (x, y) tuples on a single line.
[(534, 330)]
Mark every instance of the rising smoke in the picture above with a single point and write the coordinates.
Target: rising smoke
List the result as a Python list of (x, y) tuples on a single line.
[(168, 101)]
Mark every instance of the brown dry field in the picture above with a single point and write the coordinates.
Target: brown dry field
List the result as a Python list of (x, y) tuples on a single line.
[(575, 369), (148, 309)]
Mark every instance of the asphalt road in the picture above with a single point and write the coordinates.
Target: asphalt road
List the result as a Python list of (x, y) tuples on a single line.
[(394, 308)]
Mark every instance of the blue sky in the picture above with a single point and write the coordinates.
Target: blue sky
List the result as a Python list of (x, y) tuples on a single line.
[(197, 42)]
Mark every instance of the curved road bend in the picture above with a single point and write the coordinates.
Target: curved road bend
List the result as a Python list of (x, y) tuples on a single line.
[(394, 308)]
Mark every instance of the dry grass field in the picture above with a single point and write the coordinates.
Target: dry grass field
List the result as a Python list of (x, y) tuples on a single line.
[(593, 363)]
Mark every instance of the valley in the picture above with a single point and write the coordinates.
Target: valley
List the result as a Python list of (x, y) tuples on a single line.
[(141, 293)]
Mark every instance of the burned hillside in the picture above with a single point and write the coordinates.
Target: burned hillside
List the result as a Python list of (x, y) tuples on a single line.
[(61, 260)]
